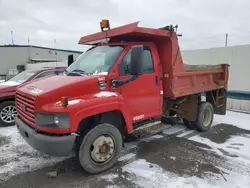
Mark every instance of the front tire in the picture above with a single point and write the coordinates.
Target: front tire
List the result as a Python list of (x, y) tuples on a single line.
[(8, 113), (100, 148)]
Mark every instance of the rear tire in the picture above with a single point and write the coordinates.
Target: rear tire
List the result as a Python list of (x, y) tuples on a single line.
[(188, 124), (205, 116), (7, 113), (100, 148)]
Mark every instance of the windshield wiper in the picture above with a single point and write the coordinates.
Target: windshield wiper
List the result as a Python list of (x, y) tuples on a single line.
[(78, 71), (75, 72)]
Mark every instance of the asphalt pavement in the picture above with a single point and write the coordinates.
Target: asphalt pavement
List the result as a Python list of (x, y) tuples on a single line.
[(177, 157)]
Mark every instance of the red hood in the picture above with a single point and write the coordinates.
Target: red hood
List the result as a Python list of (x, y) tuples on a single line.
[(51, 89)]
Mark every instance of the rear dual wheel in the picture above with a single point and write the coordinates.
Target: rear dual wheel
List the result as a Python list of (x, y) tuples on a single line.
[(204, 120), (188, 124), (100, 148)]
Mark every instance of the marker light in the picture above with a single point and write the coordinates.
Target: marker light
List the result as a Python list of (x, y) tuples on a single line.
[(56, 120), (104, 24), (64, 101)]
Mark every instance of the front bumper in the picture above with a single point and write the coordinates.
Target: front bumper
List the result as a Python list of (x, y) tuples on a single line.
[(51, 145)]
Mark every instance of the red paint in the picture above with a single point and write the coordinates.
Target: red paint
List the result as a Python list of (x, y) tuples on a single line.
[(137, 98), (8, 92)]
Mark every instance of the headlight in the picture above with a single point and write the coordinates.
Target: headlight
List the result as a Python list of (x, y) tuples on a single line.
[(57, 121)]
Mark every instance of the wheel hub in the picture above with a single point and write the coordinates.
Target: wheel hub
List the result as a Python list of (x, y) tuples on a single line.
[(102, 149), (8, 114), (206, 117)]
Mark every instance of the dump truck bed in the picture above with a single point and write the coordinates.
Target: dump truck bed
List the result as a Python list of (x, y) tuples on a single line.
[(195, 79), (177, 79)]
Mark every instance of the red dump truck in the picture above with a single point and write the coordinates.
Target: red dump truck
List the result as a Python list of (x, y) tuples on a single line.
[(130, 75)]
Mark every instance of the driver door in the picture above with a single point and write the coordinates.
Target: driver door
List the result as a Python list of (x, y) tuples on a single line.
[(142, 96)]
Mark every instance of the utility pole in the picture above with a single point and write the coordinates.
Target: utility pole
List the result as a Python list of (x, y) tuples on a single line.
[(29, 48), (12, 39), (226, 39), (55, 51)]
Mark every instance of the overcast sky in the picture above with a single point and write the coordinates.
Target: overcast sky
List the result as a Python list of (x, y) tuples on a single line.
[(203, 23)]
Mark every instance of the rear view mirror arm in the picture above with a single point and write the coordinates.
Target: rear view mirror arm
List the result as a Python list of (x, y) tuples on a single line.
[(118, 83)]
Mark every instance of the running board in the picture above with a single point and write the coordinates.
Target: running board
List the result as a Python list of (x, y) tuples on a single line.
[(148, 130)]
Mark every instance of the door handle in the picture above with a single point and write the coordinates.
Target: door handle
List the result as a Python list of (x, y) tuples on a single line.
[(113, 83), (156, 80)]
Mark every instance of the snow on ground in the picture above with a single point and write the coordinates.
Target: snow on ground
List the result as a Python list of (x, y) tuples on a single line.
[(17, 156), (241, 120), (234, 148), (149, 175), (234, 145)]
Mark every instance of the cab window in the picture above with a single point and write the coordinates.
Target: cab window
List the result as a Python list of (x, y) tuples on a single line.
[(148, 66)]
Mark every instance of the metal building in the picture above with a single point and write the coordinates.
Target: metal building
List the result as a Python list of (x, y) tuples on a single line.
[(238, 57), (14, 55)]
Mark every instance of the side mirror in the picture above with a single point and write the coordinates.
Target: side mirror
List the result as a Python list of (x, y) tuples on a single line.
[(70, 59), (136, 60), (57, 72)]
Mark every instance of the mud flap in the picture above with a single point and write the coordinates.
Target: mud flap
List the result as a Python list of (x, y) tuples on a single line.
[(218, 99)]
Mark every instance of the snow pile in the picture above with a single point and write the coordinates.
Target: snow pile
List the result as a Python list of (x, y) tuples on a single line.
[(17, 156)]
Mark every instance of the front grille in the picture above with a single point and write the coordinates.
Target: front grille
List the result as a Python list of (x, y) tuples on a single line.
[(26, 108)]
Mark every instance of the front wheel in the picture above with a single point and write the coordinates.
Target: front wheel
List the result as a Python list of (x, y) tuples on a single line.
[(100, 148), (8, 113)]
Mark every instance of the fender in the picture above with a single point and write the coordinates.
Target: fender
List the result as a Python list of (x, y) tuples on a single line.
[(101, 108), (7, 96), (86, 106)]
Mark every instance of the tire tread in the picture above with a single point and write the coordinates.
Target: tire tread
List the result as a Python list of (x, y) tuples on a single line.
[(85, 159)]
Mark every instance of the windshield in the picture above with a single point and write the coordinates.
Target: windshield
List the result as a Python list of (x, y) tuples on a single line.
[(97, 60), (22, 77)]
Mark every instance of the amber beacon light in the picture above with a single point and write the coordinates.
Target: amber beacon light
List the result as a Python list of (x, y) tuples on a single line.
[(104, 24)]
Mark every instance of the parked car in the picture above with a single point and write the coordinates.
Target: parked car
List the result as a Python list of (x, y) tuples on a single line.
[(8, 89)]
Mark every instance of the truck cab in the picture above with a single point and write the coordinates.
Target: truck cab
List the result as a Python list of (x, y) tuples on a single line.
[(129, 76)]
